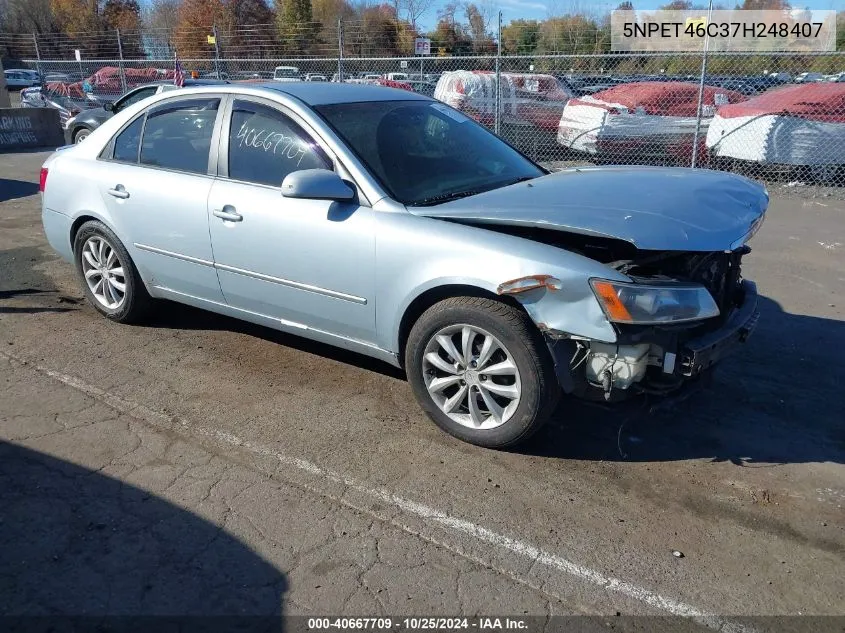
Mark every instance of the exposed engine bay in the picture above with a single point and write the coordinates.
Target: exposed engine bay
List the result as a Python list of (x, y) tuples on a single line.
[(652, 359)]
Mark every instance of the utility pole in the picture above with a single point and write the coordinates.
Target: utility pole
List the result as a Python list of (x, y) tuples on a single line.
[(701, 91), (216, 52), (340, 50), (496, 125), (120, 58)]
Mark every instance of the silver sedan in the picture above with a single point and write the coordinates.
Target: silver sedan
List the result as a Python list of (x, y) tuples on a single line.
[(387, 223)]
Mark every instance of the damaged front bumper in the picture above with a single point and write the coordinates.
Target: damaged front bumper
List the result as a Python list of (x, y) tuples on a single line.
[(655, 361), (701, 353)]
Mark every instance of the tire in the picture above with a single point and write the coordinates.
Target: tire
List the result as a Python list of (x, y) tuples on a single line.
[(80, 135), (521, 346), (134, 300)]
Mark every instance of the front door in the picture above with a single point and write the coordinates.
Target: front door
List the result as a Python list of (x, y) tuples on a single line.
[(305, 262)]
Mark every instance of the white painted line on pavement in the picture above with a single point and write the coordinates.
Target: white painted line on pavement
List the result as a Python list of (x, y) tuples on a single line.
[(427, 513)]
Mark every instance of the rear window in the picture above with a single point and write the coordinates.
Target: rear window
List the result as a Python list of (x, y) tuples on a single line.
[(126, 143)]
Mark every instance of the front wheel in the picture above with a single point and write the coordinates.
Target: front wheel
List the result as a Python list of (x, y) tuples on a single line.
[(481, 371), (80, 135)]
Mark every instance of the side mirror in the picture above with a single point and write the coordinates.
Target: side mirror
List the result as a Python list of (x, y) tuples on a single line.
[(108, 106), (316, 184)]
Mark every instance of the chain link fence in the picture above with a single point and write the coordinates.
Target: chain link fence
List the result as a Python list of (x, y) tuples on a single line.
[(774, 117)]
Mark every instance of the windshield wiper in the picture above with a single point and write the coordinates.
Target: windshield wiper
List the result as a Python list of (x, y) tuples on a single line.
[(446, 197), (516, 181)]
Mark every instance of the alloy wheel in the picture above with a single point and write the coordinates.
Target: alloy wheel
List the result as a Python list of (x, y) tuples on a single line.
[(103, 272), (471, 376)]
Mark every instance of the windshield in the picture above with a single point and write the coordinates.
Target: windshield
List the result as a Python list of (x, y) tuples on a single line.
[(424, 152), (286, 72)]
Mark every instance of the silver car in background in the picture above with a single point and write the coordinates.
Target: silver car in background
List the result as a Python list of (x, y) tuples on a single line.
[(387, 223)]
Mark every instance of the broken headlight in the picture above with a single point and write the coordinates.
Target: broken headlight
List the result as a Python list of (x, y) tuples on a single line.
[(653, 303)]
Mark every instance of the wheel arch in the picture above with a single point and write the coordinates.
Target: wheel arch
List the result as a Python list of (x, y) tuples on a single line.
[(76, 130), (82, 219), (431, 296)]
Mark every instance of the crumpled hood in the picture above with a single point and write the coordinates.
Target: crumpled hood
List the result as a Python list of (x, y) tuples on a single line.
[(653, 208)]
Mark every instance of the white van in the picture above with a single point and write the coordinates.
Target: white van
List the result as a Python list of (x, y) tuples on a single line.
[(286, 73)]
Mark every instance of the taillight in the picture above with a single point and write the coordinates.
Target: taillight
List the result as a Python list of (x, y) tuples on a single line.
[(42, 181)]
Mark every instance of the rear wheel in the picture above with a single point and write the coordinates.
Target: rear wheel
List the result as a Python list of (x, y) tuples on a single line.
[(108, 276), (480, 370)]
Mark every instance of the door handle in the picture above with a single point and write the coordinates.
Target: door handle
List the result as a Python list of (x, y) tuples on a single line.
[(228, 213), (119, 191)]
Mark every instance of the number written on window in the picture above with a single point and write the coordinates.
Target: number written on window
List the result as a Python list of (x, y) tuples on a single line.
[(265, 145)]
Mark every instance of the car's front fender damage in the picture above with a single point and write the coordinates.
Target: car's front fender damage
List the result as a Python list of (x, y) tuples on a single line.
[(628, 359)]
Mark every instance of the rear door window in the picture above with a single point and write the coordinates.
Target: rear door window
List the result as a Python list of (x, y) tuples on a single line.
[(265, 145), (126, 143), (178, 135)]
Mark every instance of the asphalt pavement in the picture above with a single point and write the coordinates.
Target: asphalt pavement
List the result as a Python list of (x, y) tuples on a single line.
[(201, 465)]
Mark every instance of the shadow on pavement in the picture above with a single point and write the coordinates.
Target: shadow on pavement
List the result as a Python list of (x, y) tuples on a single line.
[(182, 317), (778, 400), (78, 543), (12, 189)]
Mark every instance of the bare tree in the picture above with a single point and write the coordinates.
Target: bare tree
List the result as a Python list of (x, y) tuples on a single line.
[(413, 10), (479, 17), (159, 19)]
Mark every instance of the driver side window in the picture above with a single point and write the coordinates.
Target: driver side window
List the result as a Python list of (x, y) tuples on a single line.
[(265, 145)]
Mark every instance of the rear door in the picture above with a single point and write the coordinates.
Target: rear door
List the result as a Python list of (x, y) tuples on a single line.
[(156, 176)]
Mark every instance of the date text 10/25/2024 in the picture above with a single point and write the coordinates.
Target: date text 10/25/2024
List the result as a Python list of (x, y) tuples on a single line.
[(418, 623)]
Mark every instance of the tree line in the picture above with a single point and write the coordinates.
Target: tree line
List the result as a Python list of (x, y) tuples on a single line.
[(296, 28)]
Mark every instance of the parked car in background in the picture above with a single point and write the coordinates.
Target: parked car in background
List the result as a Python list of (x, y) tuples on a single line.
[(251, 75), (286, 73), (32, 98), (78, 127), (57, 78), (738, 85), (20, 79), (423, 87), (641, 123), (530, 103), (801, 127), (411, 234), (806, 78), (315, 77), (68, 106), (580, 85)]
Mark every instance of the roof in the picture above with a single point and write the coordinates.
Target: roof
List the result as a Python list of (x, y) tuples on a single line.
[(324, 93), (815, 101)]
